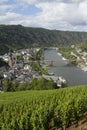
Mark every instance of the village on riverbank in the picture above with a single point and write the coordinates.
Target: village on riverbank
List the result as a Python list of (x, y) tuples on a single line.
[(76, 55), (24, 65)]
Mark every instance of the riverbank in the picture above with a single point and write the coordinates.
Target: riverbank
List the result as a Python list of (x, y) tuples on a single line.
[(72, 74), (75, 55)]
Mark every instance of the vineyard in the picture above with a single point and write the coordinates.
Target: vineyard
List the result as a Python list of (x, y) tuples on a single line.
[(42, 110)]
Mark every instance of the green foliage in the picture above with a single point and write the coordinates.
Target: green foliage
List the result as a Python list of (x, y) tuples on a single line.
[(9, 86), (83, 47), (66, 52), (42, 84), (20, 58), (35, 84), (37, 67), (18, 37), (42, 110)]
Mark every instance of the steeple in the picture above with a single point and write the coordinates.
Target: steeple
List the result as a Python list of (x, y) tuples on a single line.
[(10, 59)]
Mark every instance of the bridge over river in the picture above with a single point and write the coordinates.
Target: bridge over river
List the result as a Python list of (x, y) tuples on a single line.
[(72, 74), (51, 62)]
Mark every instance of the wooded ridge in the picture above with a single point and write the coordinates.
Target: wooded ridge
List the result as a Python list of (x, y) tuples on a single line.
[(18, 37)]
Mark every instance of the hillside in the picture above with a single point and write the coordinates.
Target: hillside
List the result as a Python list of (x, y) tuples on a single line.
[(17, 36), (43, 110)]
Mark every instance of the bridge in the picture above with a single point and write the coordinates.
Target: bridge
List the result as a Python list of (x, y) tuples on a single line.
[(52, 61)]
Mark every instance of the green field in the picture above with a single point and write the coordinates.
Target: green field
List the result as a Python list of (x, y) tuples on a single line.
[(42, 110)]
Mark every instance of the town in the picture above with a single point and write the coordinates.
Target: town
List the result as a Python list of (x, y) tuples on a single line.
[(26, 64)]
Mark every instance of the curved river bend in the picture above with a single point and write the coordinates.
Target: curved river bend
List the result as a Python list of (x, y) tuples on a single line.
[(72, 74)]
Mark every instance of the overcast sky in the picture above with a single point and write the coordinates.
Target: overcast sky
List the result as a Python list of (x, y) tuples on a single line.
[(50, 14)]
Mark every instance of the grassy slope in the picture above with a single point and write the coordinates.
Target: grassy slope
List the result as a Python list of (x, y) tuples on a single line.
[(6, 97), (41, 110)]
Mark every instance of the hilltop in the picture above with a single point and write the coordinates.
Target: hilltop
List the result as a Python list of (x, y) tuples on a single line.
[(18, 37)]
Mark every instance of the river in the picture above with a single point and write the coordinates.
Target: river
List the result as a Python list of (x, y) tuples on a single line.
[(72, 74)]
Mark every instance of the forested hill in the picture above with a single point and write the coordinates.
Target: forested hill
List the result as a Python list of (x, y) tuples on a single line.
[(17, 36)]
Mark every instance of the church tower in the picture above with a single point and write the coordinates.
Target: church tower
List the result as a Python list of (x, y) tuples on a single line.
[(10, 59)]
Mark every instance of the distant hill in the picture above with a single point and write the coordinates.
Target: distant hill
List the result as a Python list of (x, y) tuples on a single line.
[(17, 37)]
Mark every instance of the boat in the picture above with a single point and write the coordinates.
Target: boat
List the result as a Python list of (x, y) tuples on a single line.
[(59, 54), (84, 69), (51, 73), (64, 59)]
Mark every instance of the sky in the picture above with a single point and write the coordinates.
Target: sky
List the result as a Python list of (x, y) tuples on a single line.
[(51, 14)]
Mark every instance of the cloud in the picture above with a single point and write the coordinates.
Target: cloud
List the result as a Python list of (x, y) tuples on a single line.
[(2, 1), (50, 1), (8, 17), (53, 14), (4, 9), (69, 16), (63, 14), (23, 2)]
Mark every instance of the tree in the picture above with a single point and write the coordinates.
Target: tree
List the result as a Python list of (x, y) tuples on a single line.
[(6, 85)]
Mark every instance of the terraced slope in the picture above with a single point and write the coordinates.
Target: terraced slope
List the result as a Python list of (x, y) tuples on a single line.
[(42, 110)]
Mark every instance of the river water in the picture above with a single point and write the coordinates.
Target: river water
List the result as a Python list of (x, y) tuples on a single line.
[(72, 74)]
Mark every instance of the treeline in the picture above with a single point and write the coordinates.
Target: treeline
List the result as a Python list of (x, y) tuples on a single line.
[(35, 84), (18, 37)]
